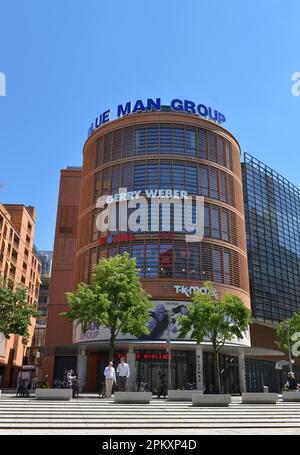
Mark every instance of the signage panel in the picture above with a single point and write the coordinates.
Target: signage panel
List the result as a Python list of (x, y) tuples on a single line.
[(176, 105)]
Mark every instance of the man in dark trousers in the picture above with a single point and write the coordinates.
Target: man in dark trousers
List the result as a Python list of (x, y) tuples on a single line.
[(123, 372), (162, 386)]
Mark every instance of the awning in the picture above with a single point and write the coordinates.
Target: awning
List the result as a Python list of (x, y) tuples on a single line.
[(256, 351)]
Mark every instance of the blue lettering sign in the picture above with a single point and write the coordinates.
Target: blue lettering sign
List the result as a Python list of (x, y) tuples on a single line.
[(139, 106), (151, 104), (124, 110), (176, 105)]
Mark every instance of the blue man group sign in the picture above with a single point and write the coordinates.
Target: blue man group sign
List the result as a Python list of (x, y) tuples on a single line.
[(151, 104)]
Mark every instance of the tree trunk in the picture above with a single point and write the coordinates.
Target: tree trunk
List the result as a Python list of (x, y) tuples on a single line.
[(217, 372), (112, 347)]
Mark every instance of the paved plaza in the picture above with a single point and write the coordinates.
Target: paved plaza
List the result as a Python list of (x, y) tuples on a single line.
[(90, 415)]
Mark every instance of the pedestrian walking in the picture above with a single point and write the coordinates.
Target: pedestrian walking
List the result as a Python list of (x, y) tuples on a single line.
[(123, 372), (110, 379), (75, 387), (35, 382), (70, 378), (162, 386)]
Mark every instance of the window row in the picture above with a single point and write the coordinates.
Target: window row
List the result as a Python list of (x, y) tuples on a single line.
[(195, 179), (178, 259), (162, 139)]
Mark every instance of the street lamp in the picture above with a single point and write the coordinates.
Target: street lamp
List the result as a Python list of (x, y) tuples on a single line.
[(169, 349), (289, 345), (24, 342)]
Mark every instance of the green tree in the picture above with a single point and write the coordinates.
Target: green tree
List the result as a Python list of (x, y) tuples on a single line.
[(287, 333), (15, 311), (216, 320), (115, 299)]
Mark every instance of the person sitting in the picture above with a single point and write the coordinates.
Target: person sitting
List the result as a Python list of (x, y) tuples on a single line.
[(292, 382), (45, 383)]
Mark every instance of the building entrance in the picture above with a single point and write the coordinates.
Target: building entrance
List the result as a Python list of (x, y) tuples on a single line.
[(150, 364)]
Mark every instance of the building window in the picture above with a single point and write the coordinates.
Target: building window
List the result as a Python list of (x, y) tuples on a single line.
[(217, 265), (128, 142), (153, 139), (178, 176), (107, 148), (180, 263), (227, 273), (178, 141), (225, 229), (139, 176), (140, 140), (153, 175), (151, 260), (203, 181), (138, 254), (165, 175), (215, 222), (190, 142), (213, 183), (212, 145), (165, 139), (166, 260), (193, 261), (191, 178), (202, 144)]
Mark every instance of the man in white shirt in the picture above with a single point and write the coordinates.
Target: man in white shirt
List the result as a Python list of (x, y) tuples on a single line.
[(110, 378), (123, 374)]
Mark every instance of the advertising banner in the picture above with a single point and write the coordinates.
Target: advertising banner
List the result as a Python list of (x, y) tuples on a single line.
[(158, 326)]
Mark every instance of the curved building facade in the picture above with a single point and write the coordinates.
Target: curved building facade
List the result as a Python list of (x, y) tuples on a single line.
[(182, 153), (167, 151)]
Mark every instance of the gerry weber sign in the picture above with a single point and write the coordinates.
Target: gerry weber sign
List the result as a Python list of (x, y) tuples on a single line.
[(176, 105)]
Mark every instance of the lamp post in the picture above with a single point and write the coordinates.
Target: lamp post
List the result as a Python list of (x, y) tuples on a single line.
[(24, 342), (169, 350), (289, 345)]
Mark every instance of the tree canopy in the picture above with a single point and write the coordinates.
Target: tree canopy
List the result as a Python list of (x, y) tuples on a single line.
[(15, 311), (216, 320), (115, 299)]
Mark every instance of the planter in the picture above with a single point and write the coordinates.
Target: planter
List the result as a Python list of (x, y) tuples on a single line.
[(199, 399), (291, 396), (180, 395), (132, 397), (53, 394), (257, 398)]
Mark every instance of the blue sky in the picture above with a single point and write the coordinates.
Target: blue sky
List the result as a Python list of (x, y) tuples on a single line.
[(67, 61)]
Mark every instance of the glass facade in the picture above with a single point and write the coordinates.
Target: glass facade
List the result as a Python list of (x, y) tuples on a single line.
[(272, 211)]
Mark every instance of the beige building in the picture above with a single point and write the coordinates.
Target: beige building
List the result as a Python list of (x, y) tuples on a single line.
[(18, 262)]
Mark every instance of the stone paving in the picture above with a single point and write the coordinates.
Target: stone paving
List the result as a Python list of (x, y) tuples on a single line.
[(90, 415)]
